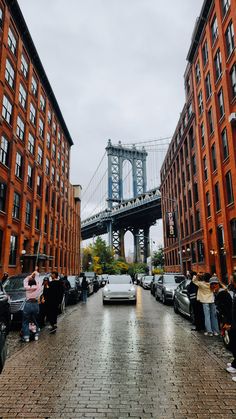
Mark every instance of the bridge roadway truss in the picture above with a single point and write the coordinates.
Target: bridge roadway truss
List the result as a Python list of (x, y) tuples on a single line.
[(135, 215)]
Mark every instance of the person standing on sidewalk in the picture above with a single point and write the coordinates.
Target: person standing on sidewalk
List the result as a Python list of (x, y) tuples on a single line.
[(54, 298), (84, 286), (231, 367), (31, 308), (206, 297), (196, 306)]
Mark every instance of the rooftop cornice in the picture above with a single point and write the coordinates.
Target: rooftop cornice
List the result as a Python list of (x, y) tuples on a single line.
[(199, 27)]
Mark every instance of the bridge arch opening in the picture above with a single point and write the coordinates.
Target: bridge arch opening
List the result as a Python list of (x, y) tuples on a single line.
[(127, 179), (129, 246)]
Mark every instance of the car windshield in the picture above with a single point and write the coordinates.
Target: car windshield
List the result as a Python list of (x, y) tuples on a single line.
[(174, 279), (120, 279), (71, 280), (14, 284)]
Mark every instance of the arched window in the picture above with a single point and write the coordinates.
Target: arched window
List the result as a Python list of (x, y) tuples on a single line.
[(233, 235)]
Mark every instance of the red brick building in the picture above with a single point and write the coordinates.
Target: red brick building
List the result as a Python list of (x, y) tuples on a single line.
[(39, 208), (211, 74)]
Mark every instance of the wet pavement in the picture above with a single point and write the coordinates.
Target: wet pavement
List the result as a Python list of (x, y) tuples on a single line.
[(118, 361)]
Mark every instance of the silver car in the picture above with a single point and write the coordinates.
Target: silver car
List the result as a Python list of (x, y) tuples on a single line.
[(166, 286), (181, 299), (146, 281), (119, 288)]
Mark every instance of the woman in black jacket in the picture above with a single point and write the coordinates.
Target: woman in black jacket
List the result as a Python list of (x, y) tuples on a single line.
[(54, 298)]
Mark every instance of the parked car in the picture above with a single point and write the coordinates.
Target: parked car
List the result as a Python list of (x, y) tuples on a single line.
[(154, 283), (5, 319), (146, 281), (166, 286), (138, 278), (119, 288), (181, 300), (73, 293), (102, 279)]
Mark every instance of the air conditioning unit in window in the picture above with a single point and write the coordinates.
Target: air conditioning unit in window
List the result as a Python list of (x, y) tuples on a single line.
[(232, 118)]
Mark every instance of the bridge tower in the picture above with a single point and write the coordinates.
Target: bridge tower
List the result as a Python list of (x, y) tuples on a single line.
[(117, 154)]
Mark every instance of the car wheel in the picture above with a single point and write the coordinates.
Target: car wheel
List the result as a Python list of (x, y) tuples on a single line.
[(163, 298), (176, 310)]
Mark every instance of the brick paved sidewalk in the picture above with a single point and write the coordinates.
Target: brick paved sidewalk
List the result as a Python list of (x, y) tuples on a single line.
[(119, 362)]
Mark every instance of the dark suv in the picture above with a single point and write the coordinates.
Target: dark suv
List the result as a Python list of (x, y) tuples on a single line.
[(5, 319)]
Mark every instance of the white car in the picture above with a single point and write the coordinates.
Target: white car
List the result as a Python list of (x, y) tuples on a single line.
[(119, 288)]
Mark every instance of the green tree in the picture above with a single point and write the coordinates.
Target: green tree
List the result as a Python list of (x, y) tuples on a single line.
[(158, 258)]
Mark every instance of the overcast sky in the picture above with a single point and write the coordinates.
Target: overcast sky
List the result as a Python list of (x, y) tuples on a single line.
[(116, 68)]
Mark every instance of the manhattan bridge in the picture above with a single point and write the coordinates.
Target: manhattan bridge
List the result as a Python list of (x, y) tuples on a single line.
[(123, 195)]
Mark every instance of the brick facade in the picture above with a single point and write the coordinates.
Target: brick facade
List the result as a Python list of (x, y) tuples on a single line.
[(211, 75), (39, 215)]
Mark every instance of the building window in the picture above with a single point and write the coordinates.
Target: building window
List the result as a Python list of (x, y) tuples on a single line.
[(48, 140), (9, 74), (195, 189), (42, 103), (6, 109), (214, 30), (213, 157), (3, 193), (20, 129), (229, 38), (31, 142), (1, 232), (45, 223), (200, 251), (225, 4), (193, 252), (34, 86), (58, 180), (53, 150), (208, 85), (194, 165), (208, 204), (39, 185), (16, 206), (229, 188), (205, 171), (59, 137), (32, 114), (233, 235), (13, 250), (40, 156), (1, 26), (200, 102), (19, 165), (24, 66), (4, 151), (218, 65), (225, 147), (202, 134), (191, 224), (47, 166), (30, 176), (11, 41), (41, 128), (217, 196), (190, 199), (28, 213), (198, 220), (205, 53), (233, 81), (221, 103), (59, 157), (210, 121), (53, 174), (49, 117), (37, 218), (22, 96)]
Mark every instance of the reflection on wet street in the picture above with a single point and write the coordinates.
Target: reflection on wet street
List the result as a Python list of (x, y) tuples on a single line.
[(119, 361)]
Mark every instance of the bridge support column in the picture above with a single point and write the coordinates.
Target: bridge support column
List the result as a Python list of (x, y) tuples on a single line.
[(146, 243)]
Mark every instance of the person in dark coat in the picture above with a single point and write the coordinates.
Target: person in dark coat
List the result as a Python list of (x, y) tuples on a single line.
[(54, 298), (223, 301), (198, 320), (43, 303), (232, 328)]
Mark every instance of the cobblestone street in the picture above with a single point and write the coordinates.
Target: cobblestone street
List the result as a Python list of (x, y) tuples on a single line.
[(118, 361)]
